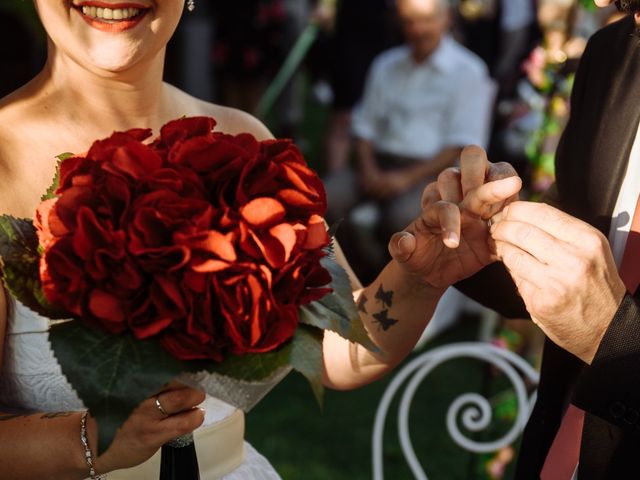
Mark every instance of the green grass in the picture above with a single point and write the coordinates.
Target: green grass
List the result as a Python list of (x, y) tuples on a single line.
[(303, 442)]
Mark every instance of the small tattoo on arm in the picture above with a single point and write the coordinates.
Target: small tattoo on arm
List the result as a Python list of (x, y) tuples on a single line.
[(50, 415), (384, 296), (362, 303), (383, 320)]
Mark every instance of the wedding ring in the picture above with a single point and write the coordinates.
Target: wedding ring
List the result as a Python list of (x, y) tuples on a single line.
[(159, 407)]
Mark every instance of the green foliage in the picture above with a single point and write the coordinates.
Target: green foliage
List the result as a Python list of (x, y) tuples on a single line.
[(51, 191), (588, 4), (337, 311), (306, 358), (20, 264)]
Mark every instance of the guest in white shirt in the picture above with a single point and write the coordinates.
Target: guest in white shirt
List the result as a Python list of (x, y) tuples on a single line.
[(423, 103)]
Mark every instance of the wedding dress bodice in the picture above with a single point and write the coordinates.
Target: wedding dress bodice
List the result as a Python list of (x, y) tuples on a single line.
[(31, 380)]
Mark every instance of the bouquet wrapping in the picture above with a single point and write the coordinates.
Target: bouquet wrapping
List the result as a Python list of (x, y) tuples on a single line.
[(197, 255)]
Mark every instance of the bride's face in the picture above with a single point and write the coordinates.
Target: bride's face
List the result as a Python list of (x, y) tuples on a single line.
[(109, 35)]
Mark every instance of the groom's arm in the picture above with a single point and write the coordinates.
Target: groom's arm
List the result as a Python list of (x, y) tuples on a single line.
[(609, 387), (493, 287)]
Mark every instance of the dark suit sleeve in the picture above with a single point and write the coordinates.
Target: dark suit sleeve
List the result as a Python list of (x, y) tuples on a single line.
[(610, 386), (494, 288)]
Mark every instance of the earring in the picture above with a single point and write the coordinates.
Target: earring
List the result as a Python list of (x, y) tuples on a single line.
[(191, 5)]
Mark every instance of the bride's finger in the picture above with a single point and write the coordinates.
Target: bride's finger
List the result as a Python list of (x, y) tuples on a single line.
[(443, 217), (402, 246), (180, 424), (430, 195), (474, 167), (489, 198), (449, 185), (176, 401), (500, 170)]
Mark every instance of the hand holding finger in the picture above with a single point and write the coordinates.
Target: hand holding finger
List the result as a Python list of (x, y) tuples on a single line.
[(552, 220)]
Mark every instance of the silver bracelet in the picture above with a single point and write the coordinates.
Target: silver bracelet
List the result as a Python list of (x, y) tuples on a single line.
[(88, 457)]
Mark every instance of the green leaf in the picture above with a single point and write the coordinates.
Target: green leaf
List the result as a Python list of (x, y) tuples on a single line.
[(51, 191), (250, 367), (112, 374), (306, 358), (20, 265), (337, 311)]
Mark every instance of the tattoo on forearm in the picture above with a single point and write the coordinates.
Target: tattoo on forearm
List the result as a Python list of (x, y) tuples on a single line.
[(385, 297), (9, 416), (50, 415), (384, 321), (362, 301)]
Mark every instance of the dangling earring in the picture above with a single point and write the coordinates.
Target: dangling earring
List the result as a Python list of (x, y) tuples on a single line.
[(191, 5)]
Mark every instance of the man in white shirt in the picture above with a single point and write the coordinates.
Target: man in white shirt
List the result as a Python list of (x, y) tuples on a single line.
[(423, 103)]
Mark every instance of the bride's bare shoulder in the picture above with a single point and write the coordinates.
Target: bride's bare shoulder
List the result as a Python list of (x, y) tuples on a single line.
[(233, 121), (230, 120)]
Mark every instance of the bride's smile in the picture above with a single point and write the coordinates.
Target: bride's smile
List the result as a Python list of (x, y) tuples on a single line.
[(108, 37), (111, 17)]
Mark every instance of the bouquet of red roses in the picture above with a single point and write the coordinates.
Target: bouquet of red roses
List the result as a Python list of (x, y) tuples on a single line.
[(197, 252)]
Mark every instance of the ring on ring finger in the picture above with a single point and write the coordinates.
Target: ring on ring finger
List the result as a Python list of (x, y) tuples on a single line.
[(160, 407)]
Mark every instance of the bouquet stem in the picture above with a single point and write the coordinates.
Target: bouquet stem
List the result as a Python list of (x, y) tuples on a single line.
[(179, 461)]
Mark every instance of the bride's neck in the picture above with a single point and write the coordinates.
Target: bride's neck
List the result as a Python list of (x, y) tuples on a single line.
[(105, 100)]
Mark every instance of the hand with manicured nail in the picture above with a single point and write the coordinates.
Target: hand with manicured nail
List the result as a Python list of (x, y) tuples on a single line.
[(450, 240)]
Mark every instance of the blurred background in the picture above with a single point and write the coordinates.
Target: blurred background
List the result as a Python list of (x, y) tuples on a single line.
[(303, 67)]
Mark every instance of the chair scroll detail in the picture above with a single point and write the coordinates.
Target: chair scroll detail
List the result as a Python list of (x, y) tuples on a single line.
[(473, 409)]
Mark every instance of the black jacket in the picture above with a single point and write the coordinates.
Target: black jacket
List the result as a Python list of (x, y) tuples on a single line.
[(591, 162)]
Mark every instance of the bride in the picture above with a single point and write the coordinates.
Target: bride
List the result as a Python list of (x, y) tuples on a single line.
[(104, 73)]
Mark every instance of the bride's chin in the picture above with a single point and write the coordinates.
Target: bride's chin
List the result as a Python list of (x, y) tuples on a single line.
[(110, 64)]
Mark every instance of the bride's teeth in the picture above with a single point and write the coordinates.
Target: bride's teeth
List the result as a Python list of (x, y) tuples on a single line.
[(110, 13)]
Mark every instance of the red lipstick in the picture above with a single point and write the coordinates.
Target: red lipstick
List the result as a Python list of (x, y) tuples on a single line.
[(113, 26)]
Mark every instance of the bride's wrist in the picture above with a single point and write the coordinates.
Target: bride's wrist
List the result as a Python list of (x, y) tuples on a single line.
[(94, 465)]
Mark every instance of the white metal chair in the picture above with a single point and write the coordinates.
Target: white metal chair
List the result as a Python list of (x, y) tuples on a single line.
[(474, 410)]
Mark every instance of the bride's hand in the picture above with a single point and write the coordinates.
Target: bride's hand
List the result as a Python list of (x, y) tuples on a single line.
[(148, 428), (449, 241)]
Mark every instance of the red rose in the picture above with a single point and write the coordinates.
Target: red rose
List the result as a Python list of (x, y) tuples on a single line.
[(255, 321)]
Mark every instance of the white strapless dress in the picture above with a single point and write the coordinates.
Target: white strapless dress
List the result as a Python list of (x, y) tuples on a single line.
[(31, 380)]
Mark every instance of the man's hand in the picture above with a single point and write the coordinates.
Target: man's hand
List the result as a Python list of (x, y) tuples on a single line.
[(564, 271), (450, 240)]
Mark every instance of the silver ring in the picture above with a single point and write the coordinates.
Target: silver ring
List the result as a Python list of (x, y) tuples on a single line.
[(160, 407)]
